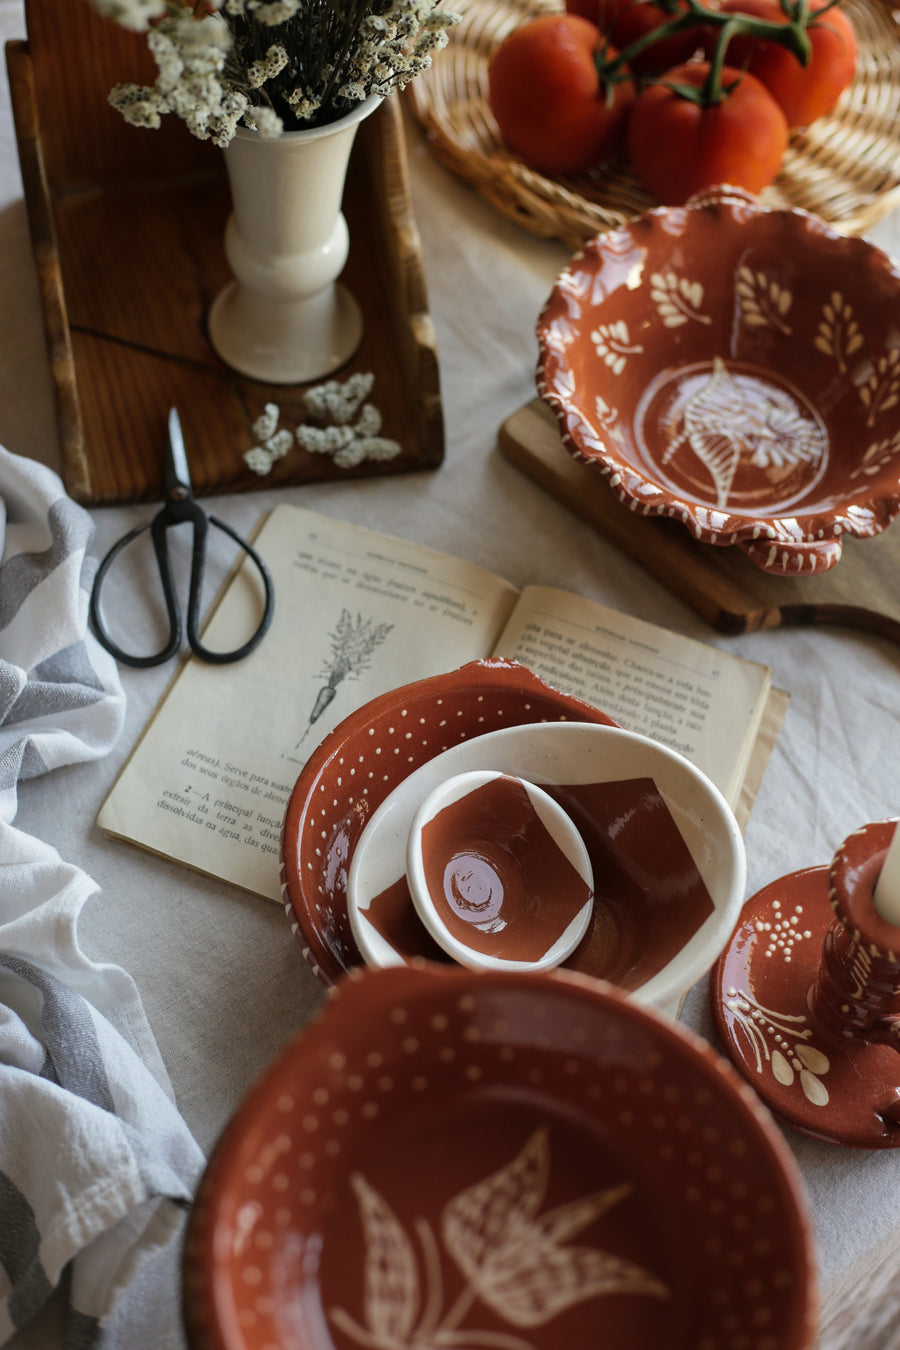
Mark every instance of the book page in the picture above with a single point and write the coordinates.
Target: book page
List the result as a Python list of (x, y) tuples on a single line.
[(694, 698), (356, 613)]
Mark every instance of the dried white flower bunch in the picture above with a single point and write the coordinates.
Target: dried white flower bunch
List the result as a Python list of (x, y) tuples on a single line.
[(348, 442), (274, 65)]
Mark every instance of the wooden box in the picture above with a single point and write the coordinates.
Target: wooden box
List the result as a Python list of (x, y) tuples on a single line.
[(127, 227)]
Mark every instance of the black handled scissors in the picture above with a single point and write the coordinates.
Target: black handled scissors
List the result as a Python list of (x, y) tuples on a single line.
[(179, 508)]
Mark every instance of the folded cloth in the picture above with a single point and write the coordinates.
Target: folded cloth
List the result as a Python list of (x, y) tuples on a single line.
[(96, 1164)]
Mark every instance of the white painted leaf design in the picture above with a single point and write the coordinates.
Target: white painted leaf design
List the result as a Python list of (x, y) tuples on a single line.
[(484, 1216), (391, 1298), (513, 1258), (813, 1088), (811, 1058), (568, 1220), (782, 1069), (538, 1280)]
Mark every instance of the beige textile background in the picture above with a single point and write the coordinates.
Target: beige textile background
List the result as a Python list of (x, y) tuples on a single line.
[(223, 983)]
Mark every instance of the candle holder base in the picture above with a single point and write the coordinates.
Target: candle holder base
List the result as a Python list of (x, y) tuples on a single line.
[(840, 1089)]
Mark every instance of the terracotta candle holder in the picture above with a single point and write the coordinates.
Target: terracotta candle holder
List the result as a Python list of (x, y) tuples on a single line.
[(806, 997)]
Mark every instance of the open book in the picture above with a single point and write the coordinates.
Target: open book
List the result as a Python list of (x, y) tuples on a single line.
[(358, 613)]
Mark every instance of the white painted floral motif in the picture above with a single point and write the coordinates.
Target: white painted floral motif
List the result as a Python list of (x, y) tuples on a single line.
[(782, 933), (677, 299), (607, 418), (613, 343), (882, 388), (839, 336), (721, 424), (838, 333), (511, 1255), (877, 456), (781, 1040), (763, 302)]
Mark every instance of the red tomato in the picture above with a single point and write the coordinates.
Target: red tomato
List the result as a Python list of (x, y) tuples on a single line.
[(803, 92), (548, 99), (678, 148), (625, 21)]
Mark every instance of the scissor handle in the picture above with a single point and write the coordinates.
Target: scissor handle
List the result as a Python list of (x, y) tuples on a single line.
[(199, 556), (158, 528), (174, 614)]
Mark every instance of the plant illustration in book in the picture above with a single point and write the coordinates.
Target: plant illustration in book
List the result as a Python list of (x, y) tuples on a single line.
[(517, 1260), (353, 643)]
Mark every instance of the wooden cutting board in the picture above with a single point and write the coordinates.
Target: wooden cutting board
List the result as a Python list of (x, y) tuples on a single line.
[(720, 584)]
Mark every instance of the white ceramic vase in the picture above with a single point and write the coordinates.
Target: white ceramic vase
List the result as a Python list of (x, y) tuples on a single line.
[(284, 319)]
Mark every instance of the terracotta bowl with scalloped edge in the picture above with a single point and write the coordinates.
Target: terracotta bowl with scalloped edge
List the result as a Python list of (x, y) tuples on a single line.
[(736, 368), (498, 1161)]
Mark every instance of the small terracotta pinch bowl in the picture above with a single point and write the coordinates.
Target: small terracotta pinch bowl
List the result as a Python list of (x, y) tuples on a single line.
[(495, 1160), (499, 873), (736, 368)]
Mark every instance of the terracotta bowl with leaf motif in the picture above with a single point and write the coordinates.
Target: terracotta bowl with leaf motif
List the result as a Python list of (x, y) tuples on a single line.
[(484, 1160), (735, 368)]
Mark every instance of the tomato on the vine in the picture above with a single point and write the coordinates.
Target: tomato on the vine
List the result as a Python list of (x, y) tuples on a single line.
[(626, 21), (678, 146), (550, 101), (803, 92)]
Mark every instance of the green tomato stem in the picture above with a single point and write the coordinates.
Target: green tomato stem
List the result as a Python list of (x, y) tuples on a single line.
[(792, 34)]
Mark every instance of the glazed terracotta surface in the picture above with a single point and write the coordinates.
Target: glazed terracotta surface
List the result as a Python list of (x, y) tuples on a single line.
[(650, 899), (357, 766), (666, 854), (491, 1160), (496, 878), (736, 368), (806, 998)]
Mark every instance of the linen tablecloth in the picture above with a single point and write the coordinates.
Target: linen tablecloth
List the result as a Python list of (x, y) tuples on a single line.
[(222, 981)]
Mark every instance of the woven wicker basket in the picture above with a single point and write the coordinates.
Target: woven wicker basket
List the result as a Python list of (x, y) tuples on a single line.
[(845, 168)]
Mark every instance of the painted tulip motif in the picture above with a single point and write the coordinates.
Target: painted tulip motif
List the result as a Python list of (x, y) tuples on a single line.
[(515, 1259)]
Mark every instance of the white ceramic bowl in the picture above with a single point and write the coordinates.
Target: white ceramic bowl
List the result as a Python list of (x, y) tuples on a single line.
[(667, 854), (498, 873)]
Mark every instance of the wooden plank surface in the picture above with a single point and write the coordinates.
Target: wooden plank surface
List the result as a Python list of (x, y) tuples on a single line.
[(720, 584), (127, 229)]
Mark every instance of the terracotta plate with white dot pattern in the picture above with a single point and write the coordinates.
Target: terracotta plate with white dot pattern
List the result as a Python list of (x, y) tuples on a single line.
[(496, 1161)]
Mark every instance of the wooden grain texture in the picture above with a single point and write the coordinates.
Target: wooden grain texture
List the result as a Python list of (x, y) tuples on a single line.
[(127, 230), (720, 584)]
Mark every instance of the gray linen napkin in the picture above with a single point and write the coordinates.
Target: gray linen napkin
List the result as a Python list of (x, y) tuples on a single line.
[(96, 1164)]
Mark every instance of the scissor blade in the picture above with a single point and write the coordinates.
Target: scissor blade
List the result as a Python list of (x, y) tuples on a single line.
[(177, 475)]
